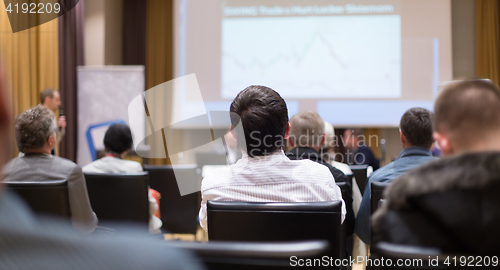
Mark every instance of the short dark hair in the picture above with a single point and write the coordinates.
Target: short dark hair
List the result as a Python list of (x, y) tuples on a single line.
[(47, 92), (416, 125), (118, 139), (466, 109), (264, 118), (34, 127)]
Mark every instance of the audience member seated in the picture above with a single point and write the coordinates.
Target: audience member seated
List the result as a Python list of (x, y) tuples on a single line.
[(36, 137), (307, 135), (117, 142), (416, 138), (328, 153), (328, 150), (354, 140), (259, 119), (452, 204), (26, 243)]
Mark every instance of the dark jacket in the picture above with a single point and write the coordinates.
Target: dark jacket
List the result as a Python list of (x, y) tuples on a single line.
[(452, 204), (309, 153), (364, 155)]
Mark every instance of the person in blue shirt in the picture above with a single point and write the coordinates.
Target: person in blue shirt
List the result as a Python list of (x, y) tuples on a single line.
[(416, 139)]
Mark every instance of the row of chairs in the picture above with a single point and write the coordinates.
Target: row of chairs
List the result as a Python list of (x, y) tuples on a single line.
[(311, 254), (121, 197)]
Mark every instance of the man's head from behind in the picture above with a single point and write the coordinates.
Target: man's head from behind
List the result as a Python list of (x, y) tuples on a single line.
[(264, 120), (467, 117), (416, 128), (118, 139), (307, 130), (50, 99), (36, 130)]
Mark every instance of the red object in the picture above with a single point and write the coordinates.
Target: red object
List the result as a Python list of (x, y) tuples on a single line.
[(156, 195)]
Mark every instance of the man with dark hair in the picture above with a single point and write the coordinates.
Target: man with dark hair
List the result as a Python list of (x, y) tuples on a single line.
[(416, 138), (259, 120), (51, 99), (452, 204), (354, 140), (36, 137), (117, 142), (307, 135)]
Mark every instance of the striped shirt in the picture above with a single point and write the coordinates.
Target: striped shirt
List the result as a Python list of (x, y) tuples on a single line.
[(272, 178)]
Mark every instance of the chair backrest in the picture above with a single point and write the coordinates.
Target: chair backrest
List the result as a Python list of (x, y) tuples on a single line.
[(415, 257), (44, 197), (360, 173), (178, 213), (271, 222), (349, 178), (119, 197), (241, 255), (344, 188), (377, 194)]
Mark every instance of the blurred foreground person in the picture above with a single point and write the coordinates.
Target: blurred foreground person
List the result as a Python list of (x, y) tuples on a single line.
[(27, 243), (117, 143), (36, 137), (416, 139), (452, 204)]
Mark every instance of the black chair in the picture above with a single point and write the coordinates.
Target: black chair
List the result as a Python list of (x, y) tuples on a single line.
[(360, 173), (347, 227), (239, 255), (118, 198), (44, 197), (414, 257), (178, 213), (349, 178), (271, 222), (377, 194)]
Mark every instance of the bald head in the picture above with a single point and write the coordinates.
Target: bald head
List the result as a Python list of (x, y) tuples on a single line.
[(467, 117)]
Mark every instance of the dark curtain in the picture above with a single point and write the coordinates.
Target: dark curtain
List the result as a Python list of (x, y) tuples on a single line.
[(70, 56), (134, 32)]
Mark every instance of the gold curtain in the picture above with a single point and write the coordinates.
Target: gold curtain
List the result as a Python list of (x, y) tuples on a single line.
[(487, 40), (160, 68), (31, 61), (372, 136)]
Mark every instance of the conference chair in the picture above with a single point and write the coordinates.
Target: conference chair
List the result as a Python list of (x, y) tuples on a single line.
[(349, 178), (279, 221), (347, 226), (415, 257), (178, 213), (119, 198), (377, 194), (360, 172), (44, 197), (221, 255)]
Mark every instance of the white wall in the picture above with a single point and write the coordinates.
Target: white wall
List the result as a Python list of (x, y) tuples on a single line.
[(103, 32)]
